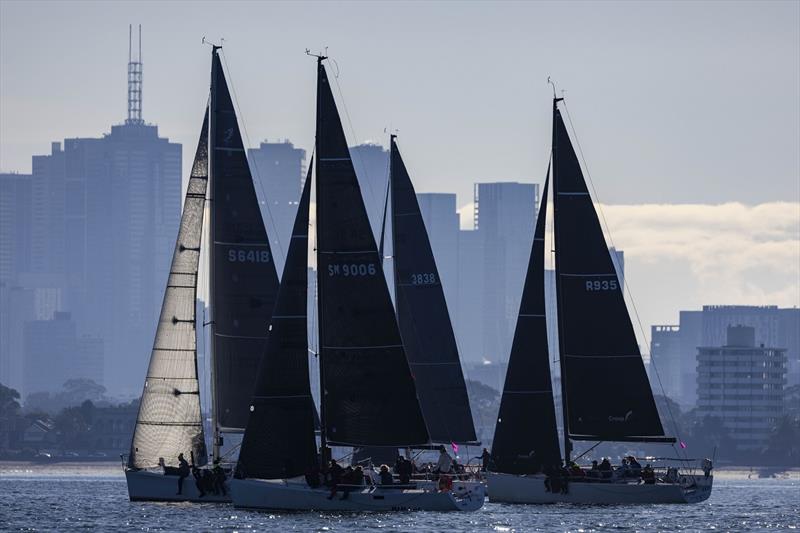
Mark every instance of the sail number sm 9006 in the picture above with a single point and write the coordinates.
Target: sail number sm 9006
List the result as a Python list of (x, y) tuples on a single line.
[(352, 270)]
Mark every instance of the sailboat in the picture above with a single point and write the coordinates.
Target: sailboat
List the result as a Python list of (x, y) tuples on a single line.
[(242, 288), (605, 391), (368, 395), (423, 318)]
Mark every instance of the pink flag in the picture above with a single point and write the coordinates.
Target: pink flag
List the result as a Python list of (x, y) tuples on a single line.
[(454, 446), (683, 445)]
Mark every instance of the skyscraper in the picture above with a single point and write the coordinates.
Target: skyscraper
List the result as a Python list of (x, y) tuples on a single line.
[(442, 223), (279, 171), (504, 220), (371, 162), (104, 218)]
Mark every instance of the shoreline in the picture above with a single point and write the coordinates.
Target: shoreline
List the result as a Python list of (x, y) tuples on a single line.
[(89, 468)]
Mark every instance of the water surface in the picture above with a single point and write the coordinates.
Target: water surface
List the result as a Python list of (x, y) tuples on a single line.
[(94, 497)]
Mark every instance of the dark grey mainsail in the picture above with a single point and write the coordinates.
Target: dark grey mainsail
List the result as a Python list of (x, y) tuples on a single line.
[(606, 393), (526, 434), (279, 441), (423, 317), (169, 420), (244, 282), (368, 393)]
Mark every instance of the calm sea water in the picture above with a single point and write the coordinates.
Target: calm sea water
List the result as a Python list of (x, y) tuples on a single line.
[(70, 498)]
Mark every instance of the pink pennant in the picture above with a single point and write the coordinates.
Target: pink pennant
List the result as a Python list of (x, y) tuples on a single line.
[(454, 446)]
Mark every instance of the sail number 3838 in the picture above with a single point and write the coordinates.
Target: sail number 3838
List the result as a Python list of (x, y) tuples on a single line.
[(602, 285), (423, 279)]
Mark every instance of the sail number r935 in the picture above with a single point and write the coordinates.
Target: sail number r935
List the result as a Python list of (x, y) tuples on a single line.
[(352, 270), (602, 285), (248, 256)]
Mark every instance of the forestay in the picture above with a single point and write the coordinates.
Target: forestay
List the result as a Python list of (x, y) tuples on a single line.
[(526, 435), (169, 420), (423, 317), (279, 441)]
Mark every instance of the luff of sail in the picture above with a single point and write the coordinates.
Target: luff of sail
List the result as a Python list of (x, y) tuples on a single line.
[(423, 316), (244, 281), (526, 434), (606, 393), (279, 441), (169, 420), (368, 394)]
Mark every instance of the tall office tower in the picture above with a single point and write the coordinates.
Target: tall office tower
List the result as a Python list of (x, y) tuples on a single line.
[(743, 384), (371, 162), (279, 170), (105, 216), (15, 227), (442, 223), (469, 319), (504, 219), (49, 347)]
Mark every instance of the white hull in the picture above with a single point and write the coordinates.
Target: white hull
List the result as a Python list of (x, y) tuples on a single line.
[(296, 495), (509, 488), (144, 485), (460, 487)]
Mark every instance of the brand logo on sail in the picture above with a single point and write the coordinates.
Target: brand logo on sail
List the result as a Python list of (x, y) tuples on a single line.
[(621, 418)]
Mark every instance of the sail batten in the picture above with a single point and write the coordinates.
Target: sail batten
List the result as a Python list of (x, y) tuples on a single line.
[(169, 421), (279, 441), (526, 435), (368, 393), (245, 282), (605, 389)]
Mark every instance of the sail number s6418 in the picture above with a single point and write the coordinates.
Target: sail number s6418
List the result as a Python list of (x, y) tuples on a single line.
[(352, 270), (248, 256), (602, 285)]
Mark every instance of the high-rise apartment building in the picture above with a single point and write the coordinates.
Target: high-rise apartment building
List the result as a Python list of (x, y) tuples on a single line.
[(676, 361), (743, 384)]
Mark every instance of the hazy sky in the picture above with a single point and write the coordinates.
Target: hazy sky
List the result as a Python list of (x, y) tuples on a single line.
[(673, 103)]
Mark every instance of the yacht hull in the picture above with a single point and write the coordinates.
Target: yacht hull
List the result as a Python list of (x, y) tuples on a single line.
[(509, 488), (149, 486), (296, 495)]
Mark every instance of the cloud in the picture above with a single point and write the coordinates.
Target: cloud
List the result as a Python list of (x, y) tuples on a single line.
[(734, 252)]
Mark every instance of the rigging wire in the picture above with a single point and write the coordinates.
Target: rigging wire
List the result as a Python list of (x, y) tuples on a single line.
[(254, 163), (625, 279)]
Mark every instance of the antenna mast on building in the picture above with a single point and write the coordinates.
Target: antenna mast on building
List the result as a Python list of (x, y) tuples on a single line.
[(134, 80)]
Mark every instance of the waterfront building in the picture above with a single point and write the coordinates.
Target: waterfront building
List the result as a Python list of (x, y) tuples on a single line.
[(743, 384)]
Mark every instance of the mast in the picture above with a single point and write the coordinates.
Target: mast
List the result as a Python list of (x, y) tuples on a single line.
[(324, 452), (561, 358), (215, 434)]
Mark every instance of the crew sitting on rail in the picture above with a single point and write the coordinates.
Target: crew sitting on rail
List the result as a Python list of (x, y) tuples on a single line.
[(648, 475), (386, 476)]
